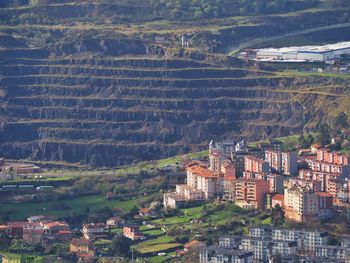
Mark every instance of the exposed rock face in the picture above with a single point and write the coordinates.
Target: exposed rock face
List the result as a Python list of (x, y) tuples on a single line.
[(112, 111)]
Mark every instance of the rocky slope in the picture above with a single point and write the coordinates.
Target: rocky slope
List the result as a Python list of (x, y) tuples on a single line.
[(106, 94)]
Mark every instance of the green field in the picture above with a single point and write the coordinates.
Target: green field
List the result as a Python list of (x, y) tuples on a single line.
[(156, 245), (20, 211), (11, 257)]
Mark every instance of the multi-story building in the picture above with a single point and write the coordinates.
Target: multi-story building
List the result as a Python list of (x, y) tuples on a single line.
[(202, 184), (82, 247), (251, 193), (132, 232), (289, 163), (307, 241), (255, 165), (318, 166), (325, 205), (301, 204), (336, 252), (274, 159), (92, 230), (327, 156), (33, 233), (265, 249), (282, 162), (322, 177), (304, 183), (217, 254)]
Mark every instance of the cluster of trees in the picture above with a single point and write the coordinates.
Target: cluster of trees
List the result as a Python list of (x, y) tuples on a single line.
[(306, 142), (182, 9)]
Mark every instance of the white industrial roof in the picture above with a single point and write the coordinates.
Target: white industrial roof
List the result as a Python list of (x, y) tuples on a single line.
[(293, 49)]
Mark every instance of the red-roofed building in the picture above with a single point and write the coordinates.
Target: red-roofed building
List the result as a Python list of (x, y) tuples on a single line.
[(33, 233), (82, 247), (145, 211), (64, 235), (91, 230), (194, 245), (277, 199), (132, 232), (54, 227), (15, 228), (115, 221)]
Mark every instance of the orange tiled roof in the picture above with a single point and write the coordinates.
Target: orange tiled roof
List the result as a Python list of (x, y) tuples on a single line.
[(16, 224), (201, 171), (56, 224), (145, 210), (192, 243), (279, 197)]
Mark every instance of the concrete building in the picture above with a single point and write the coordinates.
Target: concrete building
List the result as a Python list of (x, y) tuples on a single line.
[(265, 249), (255, 165), (82, 247), (216, 254), (324, 53), (92, 230), (301, 204), (251, 193), (132, 232), (33, 233), (307, 241), (274, 159), (289, 163)]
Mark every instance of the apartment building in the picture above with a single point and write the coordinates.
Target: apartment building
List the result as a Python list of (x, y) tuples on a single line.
[(251, 193), (289, 163), (307, 241), (255, 165), (274, 159), (327, 156), (265, 249), (301, 204), (217, 254), (202, 184)]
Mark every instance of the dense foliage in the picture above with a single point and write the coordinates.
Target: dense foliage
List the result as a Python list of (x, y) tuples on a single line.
[(182, 9)]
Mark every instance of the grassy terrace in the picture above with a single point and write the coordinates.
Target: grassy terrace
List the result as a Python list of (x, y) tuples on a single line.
[(20, 211)]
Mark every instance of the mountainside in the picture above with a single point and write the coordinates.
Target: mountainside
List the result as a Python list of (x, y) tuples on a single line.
[(86, 81)]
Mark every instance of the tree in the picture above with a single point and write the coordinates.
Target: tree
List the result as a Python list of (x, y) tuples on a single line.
[(120, 246), (324, 137), (277, 214)]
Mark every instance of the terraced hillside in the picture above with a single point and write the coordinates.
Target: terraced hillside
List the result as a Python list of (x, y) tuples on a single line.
[(106, 94)]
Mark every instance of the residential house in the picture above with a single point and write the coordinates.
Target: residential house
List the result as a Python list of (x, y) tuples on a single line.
[(92, 230), (132, 232), (33, 233), (115, 222), (15, 228), (82, 247), (193, 245), (54, 227)]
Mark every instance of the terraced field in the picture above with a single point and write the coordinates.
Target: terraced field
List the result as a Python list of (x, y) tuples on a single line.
[(86, 82), (112, 111)]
